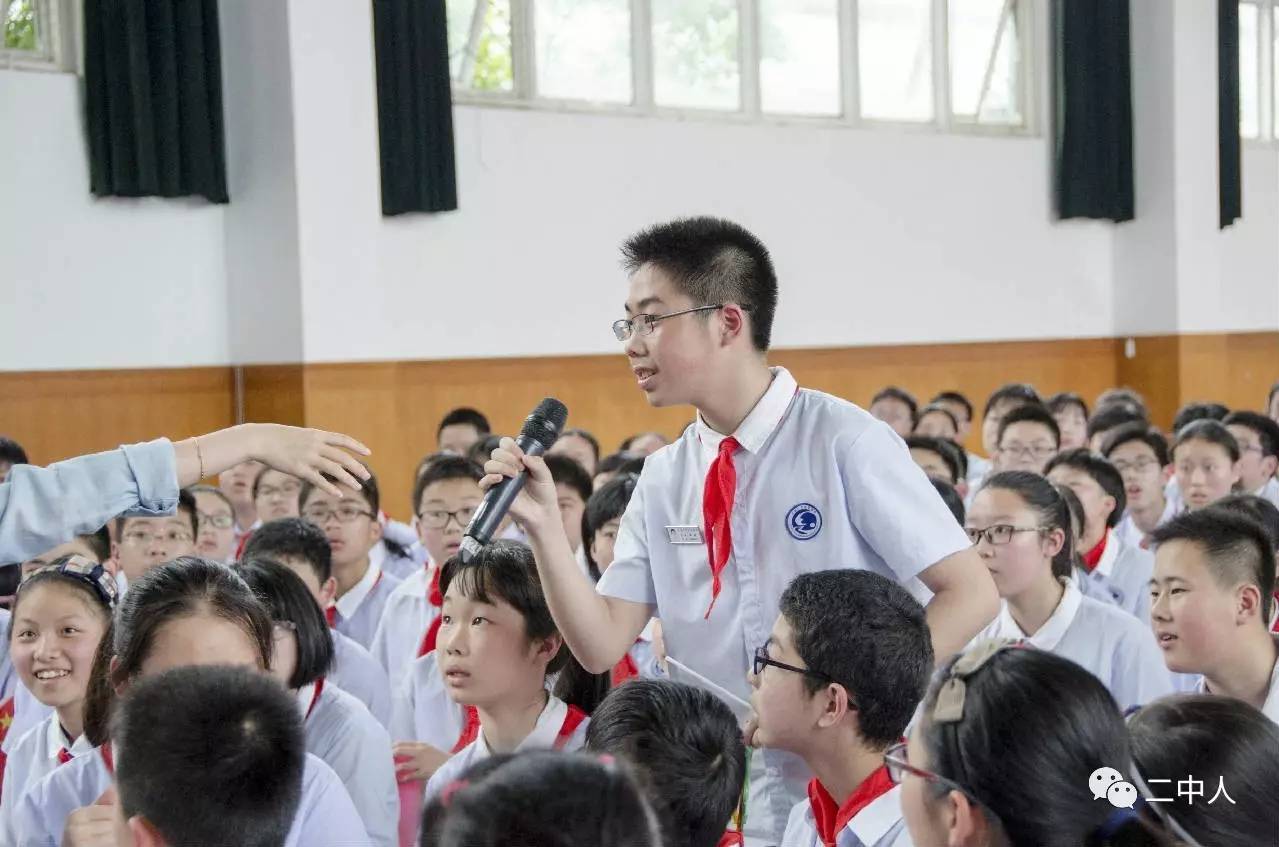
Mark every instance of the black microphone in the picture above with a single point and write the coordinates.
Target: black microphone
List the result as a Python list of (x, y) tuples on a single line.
[(540, 431)]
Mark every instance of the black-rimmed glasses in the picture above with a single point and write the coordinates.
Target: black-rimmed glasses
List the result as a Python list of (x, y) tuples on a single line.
[(763, 660), (625, 328)]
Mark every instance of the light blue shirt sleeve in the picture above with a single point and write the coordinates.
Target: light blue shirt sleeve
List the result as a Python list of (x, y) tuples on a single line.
[(44, 507)]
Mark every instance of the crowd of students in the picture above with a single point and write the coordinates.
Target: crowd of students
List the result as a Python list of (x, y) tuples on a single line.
[(771, 631)]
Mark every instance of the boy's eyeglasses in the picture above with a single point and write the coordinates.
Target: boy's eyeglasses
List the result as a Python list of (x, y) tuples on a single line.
[(439, 518), (1140, 465), (215, 521), (1028, 451), (287, 489), (142, 538), (626, 327), (762, 660), (998, 534), (346, 513)]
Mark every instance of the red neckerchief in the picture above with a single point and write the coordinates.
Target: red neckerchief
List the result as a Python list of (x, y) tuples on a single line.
[(436, 598), (624, 670), (244, 542), (471, 729), (717, 509), (1093, 556), (108, 758), (830, 819), (315, 697), (731, 839)]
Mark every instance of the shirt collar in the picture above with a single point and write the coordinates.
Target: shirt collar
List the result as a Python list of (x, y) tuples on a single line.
[(869, 812), (545, 731), (55, 740), (1050, 634), (761, 421), (1109, 554), (304, 696), (1270, 707), (349, 603)]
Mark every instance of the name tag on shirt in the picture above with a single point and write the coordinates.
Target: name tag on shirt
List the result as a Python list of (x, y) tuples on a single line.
[(684, 535)]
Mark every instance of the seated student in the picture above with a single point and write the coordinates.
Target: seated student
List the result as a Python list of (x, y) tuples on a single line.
[(580, 445), (59, 615), (207, 755), (445, 497), (1180, 737), (573, 488), (684, 747), (1140, 453), (1078, 573), (1258, 439), (962, 409), (237, 484), (951, 497), (1267, 514), (339, 729), (936, 421), (540, 798), (1005, 399), (275, 495), (1192, 412), (143, 543), (351, 526), (1021, 527), (1108, 419), (971, 777), (1028, 438), (895, 407), (1123, 570), (644, 444), (215, 519), (1212, 596), (611, 466), (1205, 461), (938, 458), (1071, 414), (186, 612), (843, 670), (1125, 397), (459, 430)]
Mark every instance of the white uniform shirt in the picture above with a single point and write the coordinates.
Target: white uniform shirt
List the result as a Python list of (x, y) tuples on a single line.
[(1131, 535), (325, 815), (543, 737), (31, 758), (1270, 491), (1270, 708), (820, 484), (357, 673), (1106, 641), (880, 824), (978, 468), (359, 610), (396, 565), (407, 616), (342, 732), (1125, 574), (27, 713), (422, 708)]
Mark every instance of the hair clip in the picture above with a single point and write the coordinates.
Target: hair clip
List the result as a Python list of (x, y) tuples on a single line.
[(93, 574), (950, 697)]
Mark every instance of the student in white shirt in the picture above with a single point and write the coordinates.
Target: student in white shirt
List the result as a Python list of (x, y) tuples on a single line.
[(61, 613), (819, 483), (302, 548), (1028, 437), (186, 612), (895, 407), (971, 777), (1212, 597), (836, 684), (1205, 459), (338, 728), (1003, 400), (237, 484), (1020, 526), (141, 543), (275, 495), (580, 445), (1071, 413), (1258, 438), (1107, 420), (936, 421), (459, 430), (961, 408), (1140, 453), (350, 523), (215, 521)]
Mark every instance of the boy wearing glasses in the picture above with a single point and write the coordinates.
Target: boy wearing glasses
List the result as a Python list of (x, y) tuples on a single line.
[(351, 526), (143, 543), (1028, 438), (1258, 438), (1140, 453), (769, 481), (836, 684)]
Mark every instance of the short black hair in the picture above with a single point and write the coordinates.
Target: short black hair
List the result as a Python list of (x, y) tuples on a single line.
[(12, 452), (368, 489), (712, 261), (937, 409), (1063, 400), (587, 437), (942, 448), (1102, 472), (482, 450), (444, 467), (464, 415), (1237, 548), (1259, 509), (950, 496), (210, 755), (292, 538), (1030, 414), (954, 397), (566, 470), (1143, 432), (1112, 417), (186, 503), (263, 471), (620, 463), (866, 633), (607, 504), (901, 395), (288, 600), (1206, 429), (1266, 429), (1124, 397), (1019, 392), (1192, 412), (98, 542), (687, 752)]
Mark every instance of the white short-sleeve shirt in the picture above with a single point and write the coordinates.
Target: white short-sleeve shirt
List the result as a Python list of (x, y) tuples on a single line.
[(27, 713), (820, 484), (405, 619), (357, 673), (33, 757), (423, 710), (359, 610), (880, 824), (1270, 708), (1125, 571)]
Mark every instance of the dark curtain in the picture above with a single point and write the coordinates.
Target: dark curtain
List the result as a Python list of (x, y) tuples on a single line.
[(414, 106), (1093, 174), (153, 97), (1229, 172)]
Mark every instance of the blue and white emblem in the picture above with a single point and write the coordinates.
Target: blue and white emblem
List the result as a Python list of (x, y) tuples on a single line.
[(803, 522)]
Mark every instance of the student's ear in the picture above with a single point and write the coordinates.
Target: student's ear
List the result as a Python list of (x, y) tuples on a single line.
[(1109, 503), (375, 531), (1269, 465), (836, 704), (144, 834), (328, 592), (1247, 604), (734, 321), (1235, 473), (1054, 541), (112, 669), (968, 825), (547, 648)]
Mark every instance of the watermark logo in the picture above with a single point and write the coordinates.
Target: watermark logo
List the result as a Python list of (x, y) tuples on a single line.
[(1109, 784)]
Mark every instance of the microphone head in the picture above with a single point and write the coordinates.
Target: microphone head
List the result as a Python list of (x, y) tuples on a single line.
[(546, 423)]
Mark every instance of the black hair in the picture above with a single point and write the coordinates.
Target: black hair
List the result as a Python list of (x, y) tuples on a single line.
[(566, 470), (1125, 397), (1107, 418), (216, 492), (1259, 509), (292, 538), (1214, 736), (612, 463), (506, 571), (1030, 414), (941, 448), (1063, 400), (630, 440), (1019, 392), (866, 633), (1236, 547), (464, 415), (50, 575), (587, 437), (686, 750), (1267, 431), (368, 489), (954, 397), (1032, 773), (1102, 472), (211, 755), (482, 450), (441, 468), (1206, 429), (186, 503), (950, 496), (712, 261), (287, 599), (263, 471), (1143, 432), (1192, 412), (1077, 516), (12, 452), (607, 504), (541, 797), (937, 409), (1051, 510), (186, 586), (901, 395)]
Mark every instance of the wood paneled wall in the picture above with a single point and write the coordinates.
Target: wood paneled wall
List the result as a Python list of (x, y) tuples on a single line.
[(394, 406)]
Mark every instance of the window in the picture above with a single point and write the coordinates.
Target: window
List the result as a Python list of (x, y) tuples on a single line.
[(1258, 70), (583, 50), (895, 55), (33, 35), (985, 61), (695, 54), (799, 57), (480, 47)]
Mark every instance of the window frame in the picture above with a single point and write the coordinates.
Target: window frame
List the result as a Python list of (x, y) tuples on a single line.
[(1267, 32), (61, 20)]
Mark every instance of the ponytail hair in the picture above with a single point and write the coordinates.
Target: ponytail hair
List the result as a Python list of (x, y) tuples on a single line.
[(1051, 511)]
